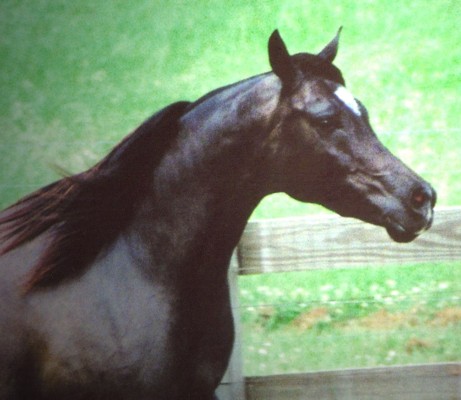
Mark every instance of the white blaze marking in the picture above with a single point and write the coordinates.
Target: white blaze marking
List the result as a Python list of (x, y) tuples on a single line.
[(348, 99)]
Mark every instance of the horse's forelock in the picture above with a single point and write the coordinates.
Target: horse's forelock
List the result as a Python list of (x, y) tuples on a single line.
[(312, 65)]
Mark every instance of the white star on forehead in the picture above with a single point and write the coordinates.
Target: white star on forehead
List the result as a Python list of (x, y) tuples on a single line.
[(348, 99)]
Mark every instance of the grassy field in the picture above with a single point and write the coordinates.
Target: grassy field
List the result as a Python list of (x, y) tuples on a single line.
[(75, 77), (351, 318)]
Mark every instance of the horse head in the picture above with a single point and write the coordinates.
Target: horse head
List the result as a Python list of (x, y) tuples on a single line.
[(328, 153)]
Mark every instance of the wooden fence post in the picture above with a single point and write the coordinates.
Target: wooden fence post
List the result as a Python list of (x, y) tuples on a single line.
[(232, 386)]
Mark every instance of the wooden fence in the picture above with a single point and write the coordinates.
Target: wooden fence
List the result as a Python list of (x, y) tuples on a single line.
[(321, 242)]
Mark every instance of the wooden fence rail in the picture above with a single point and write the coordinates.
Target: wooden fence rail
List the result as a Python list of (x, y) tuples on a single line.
[(422, 382), (320, 242)]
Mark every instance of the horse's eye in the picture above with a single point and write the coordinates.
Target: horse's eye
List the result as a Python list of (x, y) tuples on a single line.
[(328, 123)]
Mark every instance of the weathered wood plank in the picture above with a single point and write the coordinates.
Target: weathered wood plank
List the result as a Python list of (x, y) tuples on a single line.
[(329, 241), (420, 382)]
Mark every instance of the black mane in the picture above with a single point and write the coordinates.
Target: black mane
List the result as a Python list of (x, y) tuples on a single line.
[(85, 212)]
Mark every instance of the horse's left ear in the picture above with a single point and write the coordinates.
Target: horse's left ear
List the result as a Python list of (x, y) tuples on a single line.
[(280, 59), (331, 49)]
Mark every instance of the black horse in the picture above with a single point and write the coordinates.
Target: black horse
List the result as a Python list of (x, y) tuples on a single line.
[(113, 281)]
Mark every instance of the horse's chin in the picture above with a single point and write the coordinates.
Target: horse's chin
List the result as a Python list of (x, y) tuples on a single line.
[(398, 234)]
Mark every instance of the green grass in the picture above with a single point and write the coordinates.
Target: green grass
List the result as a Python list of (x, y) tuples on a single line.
[(315, 320), (273, 300), (292, 351), (75, 77)]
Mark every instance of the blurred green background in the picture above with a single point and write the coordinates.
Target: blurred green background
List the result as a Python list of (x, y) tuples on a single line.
[(76, 77)]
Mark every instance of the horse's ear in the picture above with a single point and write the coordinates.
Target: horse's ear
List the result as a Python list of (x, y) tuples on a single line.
[(280, 59), (331, 49)]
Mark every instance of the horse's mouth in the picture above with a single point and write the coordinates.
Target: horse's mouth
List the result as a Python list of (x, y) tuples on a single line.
[(400, 234)]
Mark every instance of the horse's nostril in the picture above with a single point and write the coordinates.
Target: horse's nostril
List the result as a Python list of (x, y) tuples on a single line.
[(421, 196)]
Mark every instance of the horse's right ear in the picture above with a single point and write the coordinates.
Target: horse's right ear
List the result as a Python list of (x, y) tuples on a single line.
[(280, 59)]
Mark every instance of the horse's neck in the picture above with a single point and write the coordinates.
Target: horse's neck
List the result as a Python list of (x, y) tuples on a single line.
[(206, 188)]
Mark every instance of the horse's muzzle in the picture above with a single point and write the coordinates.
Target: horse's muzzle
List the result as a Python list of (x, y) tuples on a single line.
[(421, 210)]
